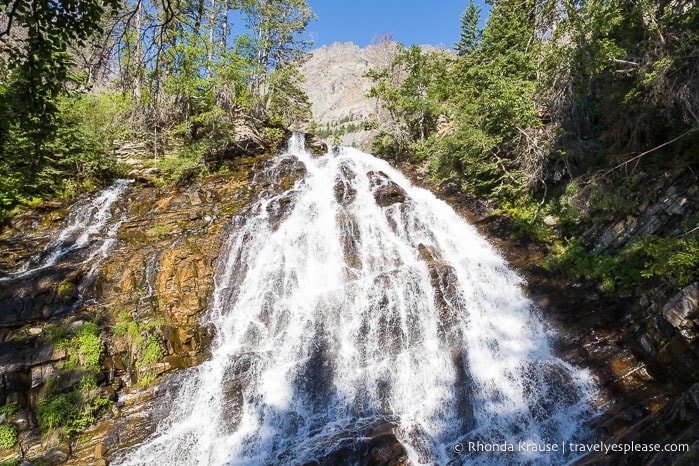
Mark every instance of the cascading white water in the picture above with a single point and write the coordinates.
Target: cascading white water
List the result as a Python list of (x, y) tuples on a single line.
[(352, 299), (87, 226)]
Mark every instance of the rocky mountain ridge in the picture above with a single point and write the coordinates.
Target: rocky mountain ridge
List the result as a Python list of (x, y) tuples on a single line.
[(336, 86)]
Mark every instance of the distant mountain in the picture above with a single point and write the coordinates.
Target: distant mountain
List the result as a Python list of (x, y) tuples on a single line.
[(336, 88)]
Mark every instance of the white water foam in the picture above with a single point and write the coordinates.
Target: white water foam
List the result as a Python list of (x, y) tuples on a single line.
[(333, 313)]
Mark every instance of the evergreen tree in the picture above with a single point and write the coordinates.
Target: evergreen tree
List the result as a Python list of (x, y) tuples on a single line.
[(470, 32), (278, 27), (413, 88)]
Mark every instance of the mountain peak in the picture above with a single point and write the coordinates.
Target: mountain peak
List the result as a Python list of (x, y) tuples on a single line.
[(336, 86)]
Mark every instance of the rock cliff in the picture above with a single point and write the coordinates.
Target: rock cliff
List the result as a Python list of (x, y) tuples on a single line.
[(336, 87)]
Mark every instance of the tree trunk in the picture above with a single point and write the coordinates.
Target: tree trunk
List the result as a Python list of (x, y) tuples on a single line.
[(210, 48), (224, 27)]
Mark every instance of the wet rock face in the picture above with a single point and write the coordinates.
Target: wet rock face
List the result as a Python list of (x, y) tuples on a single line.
[(345, 193), (315, 145), (349, 240), (682, 312), (286, 173), (386, 192), (157, 277), (40, 297), (373, 444), (444, 282)]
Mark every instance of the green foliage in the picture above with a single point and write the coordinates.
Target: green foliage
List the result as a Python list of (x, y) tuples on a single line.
[(146, 379), (150, 354), (74, 156), (55, 334), (56, 139), (527, 222), (284, 98), (84, 347), (8, 410), (160, 231), (643, 258), (470, 32), (415, 101), (35, 77), (142, 342), (346, 125), (60, 410), (72, 411), (8, 436), (539, 109)]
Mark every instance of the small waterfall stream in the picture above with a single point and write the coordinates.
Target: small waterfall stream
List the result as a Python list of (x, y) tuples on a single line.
[(352, 303), (88, 227)]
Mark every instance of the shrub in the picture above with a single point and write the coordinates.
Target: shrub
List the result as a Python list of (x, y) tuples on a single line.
[(151, 353), (8, 410), (84, 347), (8, 436), (72, 411)]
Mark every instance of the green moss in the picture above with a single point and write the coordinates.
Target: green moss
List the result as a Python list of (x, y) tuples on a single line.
[(64, 287), (160, 231), (141, 339), (67, 291)]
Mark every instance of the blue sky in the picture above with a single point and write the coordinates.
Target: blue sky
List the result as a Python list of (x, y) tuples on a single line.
[(434, 22)]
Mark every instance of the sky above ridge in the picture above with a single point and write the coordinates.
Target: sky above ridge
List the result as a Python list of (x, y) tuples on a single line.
[(433, 22)]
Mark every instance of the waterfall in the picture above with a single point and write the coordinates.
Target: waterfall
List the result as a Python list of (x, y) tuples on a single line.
[(350, 302), (87, 228)]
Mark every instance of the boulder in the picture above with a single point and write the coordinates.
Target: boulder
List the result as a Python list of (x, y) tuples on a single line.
[(682, 312), (386, 192), (366, 442), (315, 145)]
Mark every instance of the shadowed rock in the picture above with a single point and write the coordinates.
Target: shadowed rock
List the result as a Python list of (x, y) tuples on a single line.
[(386, 192), (372, 443)]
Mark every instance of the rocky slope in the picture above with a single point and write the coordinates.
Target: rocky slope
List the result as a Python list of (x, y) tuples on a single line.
[(156, 280)]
